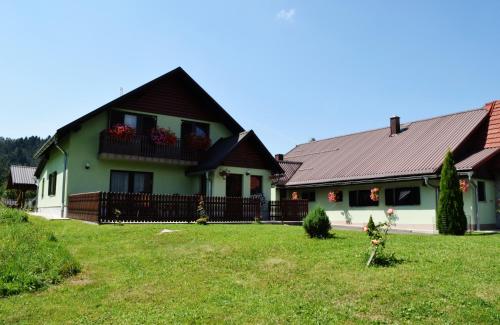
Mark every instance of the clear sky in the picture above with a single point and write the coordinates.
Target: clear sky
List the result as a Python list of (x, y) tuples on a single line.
[(290, 70)]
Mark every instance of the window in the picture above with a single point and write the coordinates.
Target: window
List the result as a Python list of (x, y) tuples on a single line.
[(196, 128), (308, 195), (481, 191), (141, 123), (133, 182), (402, 196), (43, 186), (52, 184), (255, 185), (361, 198), (130, 120)]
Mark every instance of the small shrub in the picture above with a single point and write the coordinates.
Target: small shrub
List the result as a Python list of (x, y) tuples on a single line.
[(201, 213), (378, 235), (317, 224)]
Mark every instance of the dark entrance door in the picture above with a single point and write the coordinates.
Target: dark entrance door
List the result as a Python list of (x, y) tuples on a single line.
[(234, 201), (234, 185)]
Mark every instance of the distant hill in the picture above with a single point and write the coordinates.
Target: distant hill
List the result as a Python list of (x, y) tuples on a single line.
[(17, 152)]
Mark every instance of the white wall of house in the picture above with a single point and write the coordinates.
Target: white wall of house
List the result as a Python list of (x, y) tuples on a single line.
[(421, 217)]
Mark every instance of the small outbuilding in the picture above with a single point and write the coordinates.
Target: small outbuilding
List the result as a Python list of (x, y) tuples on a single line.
[(21, 179)]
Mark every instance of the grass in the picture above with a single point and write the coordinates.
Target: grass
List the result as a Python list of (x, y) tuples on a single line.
[(262, 274), (31, 258)]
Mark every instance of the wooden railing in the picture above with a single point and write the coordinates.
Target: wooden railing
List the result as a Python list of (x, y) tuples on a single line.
[(141, 145), (103, 207), (288, 210)]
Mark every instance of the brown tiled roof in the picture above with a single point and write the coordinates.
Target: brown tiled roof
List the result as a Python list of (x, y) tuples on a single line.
[(418, 150), (473, 161), (493, 137)]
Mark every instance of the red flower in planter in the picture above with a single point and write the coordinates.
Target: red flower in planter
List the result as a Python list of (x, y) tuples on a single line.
[(121, 132), (163, 136), (333, 196), (374, 194), (198, 142), (464, 185)]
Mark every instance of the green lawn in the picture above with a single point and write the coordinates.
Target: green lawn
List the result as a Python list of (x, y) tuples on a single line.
[(261, 274)]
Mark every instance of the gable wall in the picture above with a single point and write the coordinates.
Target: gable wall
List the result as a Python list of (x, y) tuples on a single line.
[(246, 155)]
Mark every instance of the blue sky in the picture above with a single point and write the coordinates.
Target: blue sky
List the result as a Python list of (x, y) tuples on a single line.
[(290, 70)]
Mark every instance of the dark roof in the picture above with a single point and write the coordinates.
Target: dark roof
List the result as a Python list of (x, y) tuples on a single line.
[(289, 168), (221, 149), (21, 176), (477, 159), (417, 150), (231, 123)]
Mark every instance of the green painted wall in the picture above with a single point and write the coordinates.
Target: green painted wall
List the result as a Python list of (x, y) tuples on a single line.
[(55, 163), (82, 147), (219, 183)]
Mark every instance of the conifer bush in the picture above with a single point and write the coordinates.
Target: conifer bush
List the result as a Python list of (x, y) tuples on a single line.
[(451, 218), (317, 224)]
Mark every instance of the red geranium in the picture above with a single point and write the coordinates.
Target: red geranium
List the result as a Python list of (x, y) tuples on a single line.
[(121, 132), (332, 196), (163, 136), (374, 194), (198, 142)]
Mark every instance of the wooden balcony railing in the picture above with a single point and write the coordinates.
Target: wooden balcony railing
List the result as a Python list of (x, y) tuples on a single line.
[(142, 146), (138, 207)]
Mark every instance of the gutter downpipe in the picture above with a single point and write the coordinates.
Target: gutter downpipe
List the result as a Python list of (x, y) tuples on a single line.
[(436, 199), (64, 176), (209, 185), (475, 205)]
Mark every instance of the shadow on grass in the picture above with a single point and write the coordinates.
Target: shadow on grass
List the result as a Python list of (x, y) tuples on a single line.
[(486, 233), (385, 260)]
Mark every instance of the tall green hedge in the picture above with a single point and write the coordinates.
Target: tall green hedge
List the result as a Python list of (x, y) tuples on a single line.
[(451, 218)]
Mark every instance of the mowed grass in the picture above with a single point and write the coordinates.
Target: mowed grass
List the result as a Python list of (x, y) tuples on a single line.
[(262, 274)]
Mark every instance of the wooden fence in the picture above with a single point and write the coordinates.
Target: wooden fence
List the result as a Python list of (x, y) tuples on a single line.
[(288, 210), (85, 206), (103, 207)]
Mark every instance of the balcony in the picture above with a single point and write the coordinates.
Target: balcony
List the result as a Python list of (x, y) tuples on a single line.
[(141, 148)]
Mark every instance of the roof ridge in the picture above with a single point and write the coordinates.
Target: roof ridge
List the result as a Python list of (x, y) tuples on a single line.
[(387, 127)]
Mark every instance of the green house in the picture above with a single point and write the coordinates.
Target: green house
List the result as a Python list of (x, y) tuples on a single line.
[(165, 137)]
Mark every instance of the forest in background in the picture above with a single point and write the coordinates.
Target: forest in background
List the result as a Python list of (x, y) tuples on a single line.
[(17, 152)]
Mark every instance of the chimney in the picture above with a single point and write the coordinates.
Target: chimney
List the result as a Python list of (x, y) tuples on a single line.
[(395, 126), (278, 156)]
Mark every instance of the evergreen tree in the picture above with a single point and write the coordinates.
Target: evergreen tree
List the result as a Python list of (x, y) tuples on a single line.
[(450, 217), (371, 226)]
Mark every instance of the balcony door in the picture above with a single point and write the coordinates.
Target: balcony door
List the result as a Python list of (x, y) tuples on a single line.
[(234, 185), (141, 123)]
